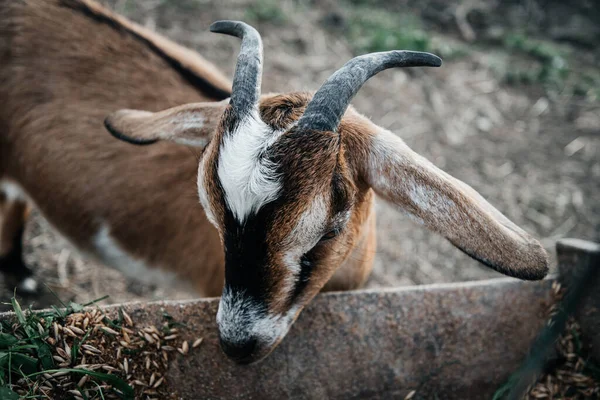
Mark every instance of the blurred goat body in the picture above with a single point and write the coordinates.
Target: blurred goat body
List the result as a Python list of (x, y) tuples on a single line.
[(64, 66)]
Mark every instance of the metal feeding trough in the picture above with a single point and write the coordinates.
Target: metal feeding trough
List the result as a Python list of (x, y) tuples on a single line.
[(460, 340), (448, 341)]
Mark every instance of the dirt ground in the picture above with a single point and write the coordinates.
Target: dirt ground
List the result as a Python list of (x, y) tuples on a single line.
[(534, 155)]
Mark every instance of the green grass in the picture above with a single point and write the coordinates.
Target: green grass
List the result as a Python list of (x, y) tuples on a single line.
[(130, 7), (25, 354), (588, 85), (516, 58), (373, 30), (266, 11), (550, 67), (521, 60)]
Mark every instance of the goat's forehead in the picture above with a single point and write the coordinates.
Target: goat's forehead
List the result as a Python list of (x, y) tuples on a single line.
[(249, 179), (257, 164)]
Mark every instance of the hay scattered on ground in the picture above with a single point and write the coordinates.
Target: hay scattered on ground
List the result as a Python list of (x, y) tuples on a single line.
[(572, 375), (569, 372), (87, 354)]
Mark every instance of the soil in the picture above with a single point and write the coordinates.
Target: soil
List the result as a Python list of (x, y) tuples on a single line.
[(533, 154)]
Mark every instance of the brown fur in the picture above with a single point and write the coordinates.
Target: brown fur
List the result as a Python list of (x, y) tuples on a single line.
[(454, 209), (58, 85), (312, 157), (310, 160)]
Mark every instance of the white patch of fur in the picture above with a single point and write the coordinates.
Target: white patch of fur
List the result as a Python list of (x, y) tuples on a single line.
[(29, 285), (111, 254), (203, 195), (389, 154), (386, 148), (342, 218), (197, 142), (291, 260), (311, 224), (240, 318), (429, 200), (248, 180), (12, 191), (190, 121), (303, 237)]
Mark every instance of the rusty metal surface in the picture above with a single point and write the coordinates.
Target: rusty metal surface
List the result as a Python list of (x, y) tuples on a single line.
[(456, 341), (449, 341), (579, 258)]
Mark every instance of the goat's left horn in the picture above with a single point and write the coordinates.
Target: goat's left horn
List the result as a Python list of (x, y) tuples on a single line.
[(248, 70), (329, 103)]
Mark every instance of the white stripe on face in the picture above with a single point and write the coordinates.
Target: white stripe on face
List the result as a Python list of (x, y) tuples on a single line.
[(303, 237), (248, 179), (203, 194)]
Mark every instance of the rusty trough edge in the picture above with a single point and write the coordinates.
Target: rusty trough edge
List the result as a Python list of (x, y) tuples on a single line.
[(358, 292), (451, 340), (458, 340), (580, 260), (579, 268)]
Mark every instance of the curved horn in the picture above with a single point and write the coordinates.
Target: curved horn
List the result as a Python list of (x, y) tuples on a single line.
[(329, 103), (248, 70)]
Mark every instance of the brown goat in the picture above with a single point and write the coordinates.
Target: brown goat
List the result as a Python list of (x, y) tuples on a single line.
[(57, 85), (287, 182)]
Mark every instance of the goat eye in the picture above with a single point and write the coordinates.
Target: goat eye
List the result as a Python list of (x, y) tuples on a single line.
[(330, 235)]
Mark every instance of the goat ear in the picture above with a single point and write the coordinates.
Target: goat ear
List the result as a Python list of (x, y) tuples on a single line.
[(451, 208), (190, 124)]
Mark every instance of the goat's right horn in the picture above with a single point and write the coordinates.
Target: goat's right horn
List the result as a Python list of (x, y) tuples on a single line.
[(329, 103), (248, 70)]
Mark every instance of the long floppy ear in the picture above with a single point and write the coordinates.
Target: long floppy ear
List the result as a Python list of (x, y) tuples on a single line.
[(451, 208), (189, 124)]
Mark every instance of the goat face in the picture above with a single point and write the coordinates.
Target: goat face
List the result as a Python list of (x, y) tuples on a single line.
[(284, 202), (287, 181)]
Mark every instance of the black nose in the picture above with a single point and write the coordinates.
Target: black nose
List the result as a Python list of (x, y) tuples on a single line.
[(240, 352)]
